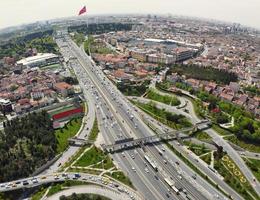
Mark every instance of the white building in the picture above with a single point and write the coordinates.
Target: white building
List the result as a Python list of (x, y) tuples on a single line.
[(161, 58), (41, 59)]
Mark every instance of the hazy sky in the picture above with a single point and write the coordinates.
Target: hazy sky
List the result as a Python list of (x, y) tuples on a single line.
[(15, 12)]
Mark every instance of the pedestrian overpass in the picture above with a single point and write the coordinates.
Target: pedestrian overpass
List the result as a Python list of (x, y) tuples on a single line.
[(129, 143)]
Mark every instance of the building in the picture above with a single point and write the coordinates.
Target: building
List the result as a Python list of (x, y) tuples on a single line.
[(194, 83), (183, 54), (226, 97), (37, 95), (161, 59), (5, 105), (121, 76), (139, 55), (254, 75), (64, 113), (41, 59), (234, 86), (64, 89), (9, 60)]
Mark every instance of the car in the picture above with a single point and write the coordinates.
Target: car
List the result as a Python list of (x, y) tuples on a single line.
[(163, 149), (7, 186), (43, 177), (132, 197), (77, 175), (25, 183), (133, 169), (132, 156), (194, 176), (34, 181), (185, 110), (146, 170), (165, 161)]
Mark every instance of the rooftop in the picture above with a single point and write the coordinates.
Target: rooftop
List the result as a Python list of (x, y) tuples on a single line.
[(37, 58)]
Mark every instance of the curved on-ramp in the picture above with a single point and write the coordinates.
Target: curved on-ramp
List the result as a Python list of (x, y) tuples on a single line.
[(91, 189)]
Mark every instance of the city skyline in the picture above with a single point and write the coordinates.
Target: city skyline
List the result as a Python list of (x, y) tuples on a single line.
[(15, 13)]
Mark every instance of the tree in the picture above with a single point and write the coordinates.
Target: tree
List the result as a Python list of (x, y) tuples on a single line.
[(219, 153), (250, 127), (28, 143)]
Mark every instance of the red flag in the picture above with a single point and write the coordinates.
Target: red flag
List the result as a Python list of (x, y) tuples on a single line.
[(83, 10)]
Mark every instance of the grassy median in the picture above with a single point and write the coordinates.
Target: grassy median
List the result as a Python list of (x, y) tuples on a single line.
[(167, 99), (254, 165), (234, 177), (172, 120), (68, 131)]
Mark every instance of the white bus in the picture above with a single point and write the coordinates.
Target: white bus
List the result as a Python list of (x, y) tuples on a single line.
[(171, 184), (151, 163)]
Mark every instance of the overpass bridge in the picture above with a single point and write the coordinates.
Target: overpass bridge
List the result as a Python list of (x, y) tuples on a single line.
[(129, 143), (76, 141)]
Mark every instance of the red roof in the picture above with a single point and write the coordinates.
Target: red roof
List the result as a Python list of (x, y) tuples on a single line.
[(67, 113), (216, 110), (24, 101)]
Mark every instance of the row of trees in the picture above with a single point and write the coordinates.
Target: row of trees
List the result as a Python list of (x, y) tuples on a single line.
[(204, 73), (26, 144), (133, 90), (75, 196), (100, 28), (71, 80), (252, 90)]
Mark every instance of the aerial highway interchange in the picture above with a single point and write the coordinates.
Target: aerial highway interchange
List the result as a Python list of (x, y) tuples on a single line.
[(155, 171)]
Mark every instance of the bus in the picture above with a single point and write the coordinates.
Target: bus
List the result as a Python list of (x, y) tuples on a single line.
[(160, 152), (152, 163), (171, 184)]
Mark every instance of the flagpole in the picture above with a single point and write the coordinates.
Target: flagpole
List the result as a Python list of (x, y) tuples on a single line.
[(87, 20)]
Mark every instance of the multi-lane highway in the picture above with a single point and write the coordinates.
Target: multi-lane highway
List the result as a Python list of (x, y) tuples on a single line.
[(87, 121), (193, 158), (105, 128), (132, 126)]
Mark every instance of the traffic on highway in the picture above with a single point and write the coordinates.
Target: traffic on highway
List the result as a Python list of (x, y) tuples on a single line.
[(124, 118)]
